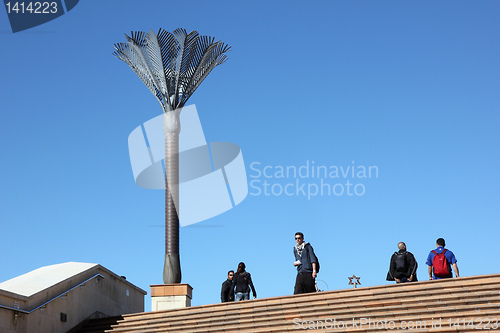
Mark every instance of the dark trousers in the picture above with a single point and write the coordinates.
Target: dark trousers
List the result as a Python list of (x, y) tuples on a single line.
[(304, 283)]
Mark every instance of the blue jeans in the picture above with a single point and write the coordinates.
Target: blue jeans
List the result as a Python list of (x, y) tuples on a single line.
[(242, 297)]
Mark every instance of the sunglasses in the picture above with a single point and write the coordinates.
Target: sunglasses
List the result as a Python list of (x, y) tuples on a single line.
[(298, 237)]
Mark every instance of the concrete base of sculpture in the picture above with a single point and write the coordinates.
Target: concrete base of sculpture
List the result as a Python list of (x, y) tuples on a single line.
[(170, 296)]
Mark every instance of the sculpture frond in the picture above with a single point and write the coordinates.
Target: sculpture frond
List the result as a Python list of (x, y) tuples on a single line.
[(210, 55), (171, 65), (183, 59), (124, 52), (156, 62)]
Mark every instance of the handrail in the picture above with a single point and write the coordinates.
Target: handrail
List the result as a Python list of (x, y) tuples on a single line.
[(52, 299)]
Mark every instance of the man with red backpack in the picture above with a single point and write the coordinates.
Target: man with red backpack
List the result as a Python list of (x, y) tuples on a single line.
[(440, 262)]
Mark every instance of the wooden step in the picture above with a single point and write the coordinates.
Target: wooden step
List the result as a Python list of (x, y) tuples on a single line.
[(319, 307), (451, 299)]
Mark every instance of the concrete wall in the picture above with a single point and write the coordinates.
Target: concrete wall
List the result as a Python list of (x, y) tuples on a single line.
[(8, 322), (110, 296)]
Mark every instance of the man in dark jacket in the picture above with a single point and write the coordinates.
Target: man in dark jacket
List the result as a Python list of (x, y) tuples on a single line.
[(307, 264), (226, 293), (403, 266)]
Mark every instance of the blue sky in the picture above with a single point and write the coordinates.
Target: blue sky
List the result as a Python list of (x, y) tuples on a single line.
[(411, 88)]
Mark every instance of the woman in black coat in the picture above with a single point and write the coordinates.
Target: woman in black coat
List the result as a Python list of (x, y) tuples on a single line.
[(243, 282)]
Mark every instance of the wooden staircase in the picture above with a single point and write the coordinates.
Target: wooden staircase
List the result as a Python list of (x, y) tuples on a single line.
[(410, 307)]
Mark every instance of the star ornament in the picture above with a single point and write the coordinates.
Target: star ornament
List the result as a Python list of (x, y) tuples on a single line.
[(354, 277)]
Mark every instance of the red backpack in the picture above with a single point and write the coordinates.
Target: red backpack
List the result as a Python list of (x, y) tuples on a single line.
[(440, 264)]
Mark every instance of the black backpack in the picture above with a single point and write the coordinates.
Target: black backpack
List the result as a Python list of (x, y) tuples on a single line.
[(314, 254), (401, 262)]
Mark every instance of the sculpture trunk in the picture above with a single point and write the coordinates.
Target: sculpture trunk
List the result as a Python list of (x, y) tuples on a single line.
[(172, 267)]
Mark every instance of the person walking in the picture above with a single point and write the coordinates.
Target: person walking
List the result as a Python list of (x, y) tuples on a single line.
[(226, 294), (403, 266), (242, 281), (440, 262), (307, 264)]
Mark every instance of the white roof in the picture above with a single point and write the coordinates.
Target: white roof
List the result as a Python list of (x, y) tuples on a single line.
[(42, 278)]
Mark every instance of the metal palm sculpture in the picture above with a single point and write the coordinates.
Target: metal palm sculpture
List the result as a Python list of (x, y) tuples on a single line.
[(172, 66)]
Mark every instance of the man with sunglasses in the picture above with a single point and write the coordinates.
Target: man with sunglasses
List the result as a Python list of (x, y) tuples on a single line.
[(226, 293), (306, 263)]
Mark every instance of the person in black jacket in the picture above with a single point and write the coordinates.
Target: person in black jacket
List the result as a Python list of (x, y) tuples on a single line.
[(243, 282), (403, 266), (226, 294)]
